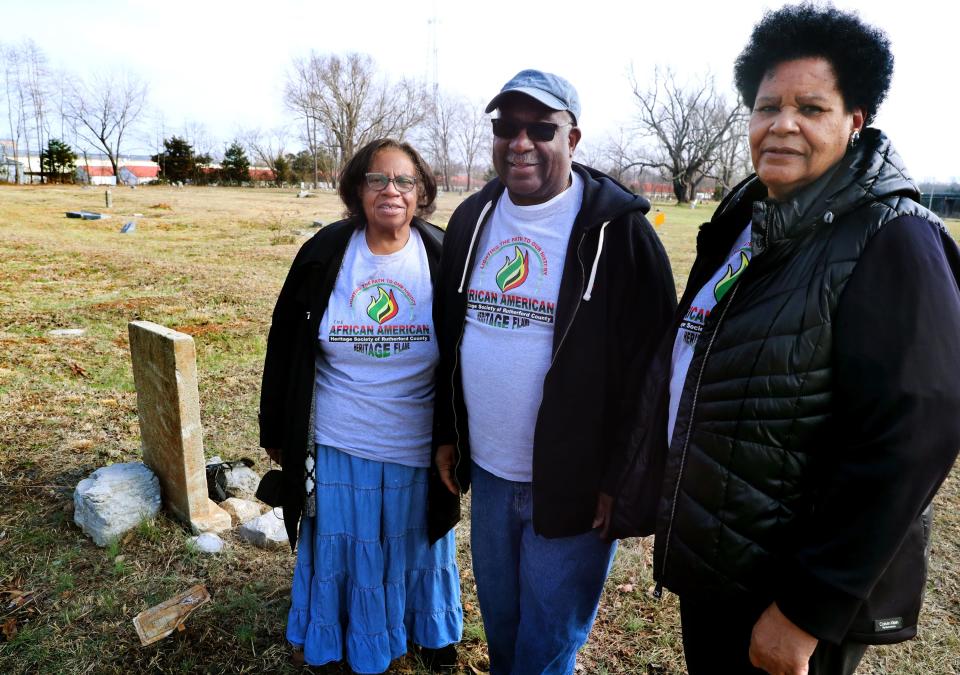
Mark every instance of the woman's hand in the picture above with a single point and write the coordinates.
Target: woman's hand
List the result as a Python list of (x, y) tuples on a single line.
[(601, 516), (446, 461), (276, 454), (779, 646)]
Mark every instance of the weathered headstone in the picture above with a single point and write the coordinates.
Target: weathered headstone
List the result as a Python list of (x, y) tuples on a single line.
[(168, 404)]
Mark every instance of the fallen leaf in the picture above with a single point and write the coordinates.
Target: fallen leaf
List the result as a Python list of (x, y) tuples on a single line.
[(9, 629), (78, 370), (625, 588)]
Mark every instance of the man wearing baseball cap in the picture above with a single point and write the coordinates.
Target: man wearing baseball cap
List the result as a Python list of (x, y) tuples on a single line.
[(552, 293)]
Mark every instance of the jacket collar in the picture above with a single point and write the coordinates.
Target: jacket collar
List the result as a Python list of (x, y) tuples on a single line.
[(604, 199), (871, 171)]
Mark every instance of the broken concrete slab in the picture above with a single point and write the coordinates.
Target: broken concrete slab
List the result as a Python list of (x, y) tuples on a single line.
[(161, 620), (67, 332), (114, 500)]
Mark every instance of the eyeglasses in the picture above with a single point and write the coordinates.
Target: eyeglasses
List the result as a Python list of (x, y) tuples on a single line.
[(536, 131), (379, 181)]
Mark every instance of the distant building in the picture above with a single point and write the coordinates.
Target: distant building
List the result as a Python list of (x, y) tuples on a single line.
[(133, 171), (138, 172), (262, 174), (94, 168), (95, 172), (11, 164), (258, 174), (944, 204), (653, 191)]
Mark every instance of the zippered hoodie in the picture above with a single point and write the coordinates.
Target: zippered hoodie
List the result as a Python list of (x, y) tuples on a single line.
[(616, 298)]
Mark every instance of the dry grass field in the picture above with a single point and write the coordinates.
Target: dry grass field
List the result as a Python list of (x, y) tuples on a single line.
[(209, 262)]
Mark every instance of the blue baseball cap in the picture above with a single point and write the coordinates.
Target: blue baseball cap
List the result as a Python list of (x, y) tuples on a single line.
[(551, 90)]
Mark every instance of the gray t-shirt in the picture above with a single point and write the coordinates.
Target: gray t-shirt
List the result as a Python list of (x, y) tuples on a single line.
[(375, 367), (508, 336)]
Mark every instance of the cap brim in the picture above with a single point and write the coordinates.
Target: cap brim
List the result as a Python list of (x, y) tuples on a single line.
[(539, 95)]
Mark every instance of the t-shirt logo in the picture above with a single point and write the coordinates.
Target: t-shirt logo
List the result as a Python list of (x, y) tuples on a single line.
[(513, 307), (514, 272), (729, 278), (368, 326), (383, 306)]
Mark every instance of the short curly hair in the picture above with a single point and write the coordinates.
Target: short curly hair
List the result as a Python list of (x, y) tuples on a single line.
[(353, 176), (858, 52)]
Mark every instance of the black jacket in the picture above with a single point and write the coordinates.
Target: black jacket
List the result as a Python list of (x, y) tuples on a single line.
[(289, 372), (604, 337), (819, 414)]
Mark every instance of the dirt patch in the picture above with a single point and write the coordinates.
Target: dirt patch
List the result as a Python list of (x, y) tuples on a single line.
[(131, 304), (199, 329)]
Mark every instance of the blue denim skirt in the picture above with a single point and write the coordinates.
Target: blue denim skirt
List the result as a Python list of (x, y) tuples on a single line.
[(366, 579)]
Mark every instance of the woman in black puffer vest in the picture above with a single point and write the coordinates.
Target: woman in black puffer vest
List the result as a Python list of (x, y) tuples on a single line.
[(808, 404)]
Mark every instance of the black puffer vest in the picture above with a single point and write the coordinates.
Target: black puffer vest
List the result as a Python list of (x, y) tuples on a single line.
[(756, 407)]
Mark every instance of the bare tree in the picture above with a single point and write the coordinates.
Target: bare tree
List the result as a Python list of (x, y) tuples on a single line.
[(472, 136), (35, 81), (444, 118), (732, 163), (204, 143), (15, 101), (300, 96), (345, 104), (688, 125), (266, 146), (618, 155), (105, 109), (27, 91)]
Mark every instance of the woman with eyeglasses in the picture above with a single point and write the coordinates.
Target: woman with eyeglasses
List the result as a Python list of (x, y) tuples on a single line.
[(346, 408)]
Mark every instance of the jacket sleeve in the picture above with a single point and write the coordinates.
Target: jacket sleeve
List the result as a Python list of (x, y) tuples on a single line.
[(277, 363), (896, 422), (443, 295), (645, 312)]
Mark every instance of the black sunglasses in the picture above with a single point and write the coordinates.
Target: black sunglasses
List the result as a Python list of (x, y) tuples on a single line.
[(536, 131)]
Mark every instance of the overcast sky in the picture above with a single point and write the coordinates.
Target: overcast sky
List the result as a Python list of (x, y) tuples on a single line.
[(223, 64)]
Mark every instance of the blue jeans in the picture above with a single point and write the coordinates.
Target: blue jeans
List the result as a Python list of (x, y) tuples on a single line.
[(538, 596)]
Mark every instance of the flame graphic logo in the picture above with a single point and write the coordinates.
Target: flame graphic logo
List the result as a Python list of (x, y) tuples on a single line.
[(383, 307), (514, 272), (730, 277)]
